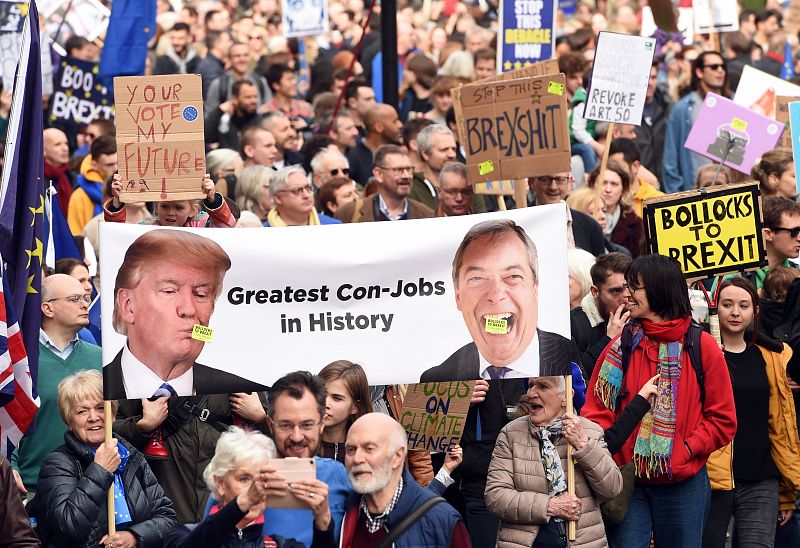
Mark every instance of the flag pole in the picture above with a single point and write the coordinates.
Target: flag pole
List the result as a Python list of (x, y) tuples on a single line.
[(571, 525), (109, 421)]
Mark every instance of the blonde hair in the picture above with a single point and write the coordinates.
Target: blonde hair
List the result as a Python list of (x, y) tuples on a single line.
[(81, 385), (250, 187)]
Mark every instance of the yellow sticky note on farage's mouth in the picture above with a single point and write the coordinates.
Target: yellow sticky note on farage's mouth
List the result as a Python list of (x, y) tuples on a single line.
[(202, 333), (496, 326), (485, 167)]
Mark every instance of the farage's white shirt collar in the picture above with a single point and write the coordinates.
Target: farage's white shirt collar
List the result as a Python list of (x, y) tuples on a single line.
[(141, 382), (527, 365)]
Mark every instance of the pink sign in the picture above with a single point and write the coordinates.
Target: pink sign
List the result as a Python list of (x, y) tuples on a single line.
[(726, 130)]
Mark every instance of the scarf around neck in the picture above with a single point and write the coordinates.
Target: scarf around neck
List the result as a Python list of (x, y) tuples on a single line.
[(652, 451), (553, 469), (274, 218)]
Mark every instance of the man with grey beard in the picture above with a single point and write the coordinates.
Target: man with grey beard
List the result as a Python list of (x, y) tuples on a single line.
[(386, 493)]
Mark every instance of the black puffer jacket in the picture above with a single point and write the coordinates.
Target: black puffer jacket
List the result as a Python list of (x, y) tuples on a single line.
[(73, 491)]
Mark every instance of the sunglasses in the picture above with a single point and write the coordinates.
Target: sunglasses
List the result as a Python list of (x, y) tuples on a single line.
[(715, 66), (337, 171), (793, 232)]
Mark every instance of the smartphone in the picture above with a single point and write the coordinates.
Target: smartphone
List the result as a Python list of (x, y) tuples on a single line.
[(292, 469)]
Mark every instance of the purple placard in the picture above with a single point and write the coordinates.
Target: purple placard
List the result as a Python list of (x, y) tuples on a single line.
[(721, 121)]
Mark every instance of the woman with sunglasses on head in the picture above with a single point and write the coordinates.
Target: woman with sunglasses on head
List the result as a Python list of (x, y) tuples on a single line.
[(692, 415), (757, 476)]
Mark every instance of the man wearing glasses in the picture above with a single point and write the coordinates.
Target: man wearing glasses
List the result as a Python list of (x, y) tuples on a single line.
[(296, 412), (393, 171), (781, 234), (455, 192), (680, 165), (584, 231), (327, 164), (293, 200), (65, 311)]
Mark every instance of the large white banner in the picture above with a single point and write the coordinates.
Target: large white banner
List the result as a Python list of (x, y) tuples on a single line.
[(380, 294)]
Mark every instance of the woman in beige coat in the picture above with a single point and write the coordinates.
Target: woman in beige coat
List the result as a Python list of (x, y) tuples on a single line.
[(526, 486)]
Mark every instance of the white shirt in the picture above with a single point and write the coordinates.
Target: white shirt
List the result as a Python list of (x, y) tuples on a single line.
[(527, 365), (141, 382), (48, 343)]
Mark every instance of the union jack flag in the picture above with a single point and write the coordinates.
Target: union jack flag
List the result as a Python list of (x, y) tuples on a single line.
[(18, 399)]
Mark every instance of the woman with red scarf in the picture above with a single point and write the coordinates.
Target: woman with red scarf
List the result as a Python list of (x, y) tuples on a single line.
[(672, 443)]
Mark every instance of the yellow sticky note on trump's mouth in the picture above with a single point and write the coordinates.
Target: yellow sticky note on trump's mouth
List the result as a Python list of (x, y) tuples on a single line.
[(202, 333), (496, 326)]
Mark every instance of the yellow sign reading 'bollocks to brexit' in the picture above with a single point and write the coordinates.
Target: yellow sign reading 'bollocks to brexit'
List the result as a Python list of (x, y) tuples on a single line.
[(711, 231)]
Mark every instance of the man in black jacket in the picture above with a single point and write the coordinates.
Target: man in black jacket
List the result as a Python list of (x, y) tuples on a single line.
[(650, 135), (586, 232), (603, 312), (180, 57)]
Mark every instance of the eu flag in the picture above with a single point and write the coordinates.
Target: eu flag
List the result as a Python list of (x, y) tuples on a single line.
[(21, 195), (131, 25), (787, 70)]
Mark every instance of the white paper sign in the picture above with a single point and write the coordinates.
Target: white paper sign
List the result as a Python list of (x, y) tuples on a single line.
[(619, 78), (715, 16), (758, 91), (379, 294), (304, 18)]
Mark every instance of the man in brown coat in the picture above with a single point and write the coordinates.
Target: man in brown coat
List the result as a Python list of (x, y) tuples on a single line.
[(393, 171), (526, 487)]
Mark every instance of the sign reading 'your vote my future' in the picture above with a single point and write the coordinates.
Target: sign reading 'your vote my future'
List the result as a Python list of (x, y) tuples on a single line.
[(710, 231), (160, 139)]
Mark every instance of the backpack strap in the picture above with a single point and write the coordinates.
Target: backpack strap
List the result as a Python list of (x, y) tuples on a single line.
[(223, 88), (693, 346), (408, 521)]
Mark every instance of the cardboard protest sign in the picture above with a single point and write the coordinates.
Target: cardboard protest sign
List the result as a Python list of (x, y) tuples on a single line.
[(391, 308), (87, 18), (794, 133), (434, 414), (496, 188), (620, 74), (78, 97), (715, 16), (725, 130), (527, 34), (12, 15), (757, 91), (515, 128), (709, 232), (782, 116), (160, 138), (304, 17)]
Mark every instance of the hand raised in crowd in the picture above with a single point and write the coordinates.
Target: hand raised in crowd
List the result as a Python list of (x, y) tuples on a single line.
[(226, 107), (248, 406), (617, 321), (453, 458), (208, 188), (18, 481), (315, 494), (648, 391), (107, 456), (121, 539), (564, 506), (573, 431), (479, 391), (253, 496), (116, 189), (153, 414)]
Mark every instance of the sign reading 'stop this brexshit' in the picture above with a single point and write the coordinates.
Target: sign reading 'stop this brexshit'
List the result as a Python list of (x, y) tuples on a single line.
[(515, 128), (160, 141)]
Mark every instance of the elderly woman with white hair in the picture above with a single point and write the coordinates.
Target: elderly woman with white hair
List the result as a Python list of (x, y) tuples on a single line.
[(234, 477), (224, 165), (579, 265), (252, 191), (74, 479), (527, 482)]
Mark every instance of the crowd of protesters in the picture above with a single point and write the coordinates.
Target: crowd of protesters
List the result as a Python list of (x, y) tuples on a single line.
[(295, 140)]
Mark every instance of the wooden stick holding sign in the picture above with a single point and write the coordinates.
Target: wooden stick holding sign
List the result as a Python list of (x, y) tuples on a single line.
[(521, 193), (109, 421), (571, 525), (606, 150)]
